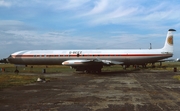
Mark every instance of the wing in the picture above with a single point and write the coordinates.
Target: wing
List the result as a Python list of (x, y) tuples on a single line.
[(94, 65), (170, 60), (109, 62), (90, 62)]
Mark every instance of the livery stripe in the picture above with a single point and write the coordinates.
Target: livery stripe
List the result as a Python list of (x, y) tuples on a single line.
[(89, 55)]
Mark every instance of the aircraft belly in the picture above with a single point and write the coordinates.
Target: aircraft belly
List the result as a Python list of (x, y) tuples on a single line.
[(142, 59)]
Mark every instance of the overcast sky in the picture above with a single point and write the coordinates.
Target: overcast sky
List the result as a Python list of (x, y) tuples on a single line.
[(87, 24)]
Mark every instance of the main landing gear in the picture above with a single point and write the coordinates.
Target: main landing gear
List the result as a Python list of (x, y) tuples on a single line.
[(89, 69)]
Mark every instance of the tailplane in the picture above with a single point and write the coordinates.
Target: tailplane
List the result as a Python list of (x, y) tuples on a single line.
[(168, 46)]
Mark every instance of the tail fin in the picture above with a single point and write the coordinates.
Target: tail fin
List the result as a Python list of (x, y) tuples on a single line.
[(168, 46)]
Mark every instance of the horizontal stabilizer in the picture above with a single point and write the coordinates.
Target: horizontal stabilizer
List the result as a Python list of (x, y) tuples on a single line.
[(172, 30), (170, 60)]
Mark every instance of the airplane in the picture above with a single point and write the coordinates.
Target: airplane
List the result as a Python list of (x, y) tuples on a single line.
[(94, 60)]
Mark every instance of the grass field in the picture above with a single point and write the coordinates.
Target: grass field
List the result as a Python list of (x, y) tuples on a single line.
[(10, 68), (8, 78)]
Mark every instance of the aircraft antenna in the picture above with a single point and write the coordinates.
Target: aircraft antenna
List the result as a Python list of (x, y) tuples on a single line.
[(150, 46)]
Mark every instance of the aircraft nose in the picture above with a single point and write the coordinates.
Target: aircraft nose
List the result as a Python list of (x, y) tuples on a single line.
[(9, 57)]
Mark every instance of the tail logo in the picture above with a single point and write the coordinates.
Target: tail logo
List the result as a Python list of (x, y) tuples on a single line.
[(170, 40)]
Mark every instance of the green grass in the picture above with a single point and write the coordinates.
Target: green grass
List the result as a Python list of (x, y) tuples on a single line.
[(10, 68), (177, 77), (9, 80)]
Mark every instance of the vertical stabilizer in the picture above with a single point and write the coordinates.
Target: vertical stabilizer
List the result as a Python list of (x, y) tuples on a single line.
[(168, 46)]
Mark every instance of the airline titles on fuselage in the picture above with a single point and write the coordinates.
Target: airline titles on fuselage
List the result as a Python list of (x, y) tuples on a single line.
[(75, 52)]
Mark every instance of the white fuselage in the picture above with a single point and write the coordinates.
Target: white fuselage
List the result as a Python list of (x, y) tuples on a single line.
[(56, 57)]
